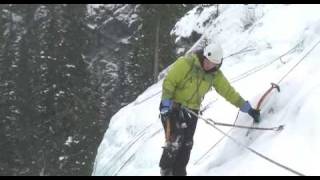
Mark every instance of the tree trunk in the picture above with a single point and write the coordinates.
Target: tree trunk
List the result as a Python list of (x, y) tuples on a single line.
[(156, 52), (217, 10)]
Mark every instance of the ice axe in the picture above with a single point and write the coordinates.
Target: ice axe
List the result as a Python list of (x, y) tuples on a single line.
[(273, 86)]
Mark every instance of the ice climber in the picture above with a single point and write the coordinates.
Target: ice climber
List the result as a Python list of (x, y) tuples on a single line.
[(185, 85)]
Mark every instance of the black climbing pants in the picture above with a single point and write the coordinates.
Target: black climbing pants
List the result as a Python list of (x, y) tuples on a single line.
[(176, 152)]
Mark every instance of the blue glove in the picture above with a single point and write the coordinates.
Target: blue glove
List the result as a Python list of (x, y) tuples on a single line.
[(255, 114), (246, 107), (166, 106)]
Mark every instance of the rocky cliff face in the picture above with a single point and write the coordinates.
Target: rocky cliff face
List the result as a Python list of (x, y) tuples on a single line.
[(124, 50)]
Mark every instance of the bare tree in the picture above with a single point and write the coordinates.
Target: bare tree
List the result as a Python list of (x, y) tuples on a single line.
[(156, 52), (217, 10)]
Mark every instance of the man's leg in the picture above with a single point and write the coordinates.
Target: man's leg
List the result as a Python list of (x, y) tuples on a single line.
[(183, 156), (171, 149), (182, 161)]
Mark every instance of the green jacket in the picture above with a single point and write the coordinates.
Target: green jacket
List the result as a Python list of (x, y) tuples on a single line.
[(187, 83)]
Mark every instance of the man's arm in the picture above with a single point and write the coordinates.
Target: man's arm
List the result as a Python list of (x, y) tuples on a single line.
[(224, 88)]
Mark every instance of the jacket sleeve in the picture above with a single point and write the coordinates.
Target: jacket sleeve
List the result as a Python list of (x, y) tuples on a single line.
[(175, 75), (224, 88)]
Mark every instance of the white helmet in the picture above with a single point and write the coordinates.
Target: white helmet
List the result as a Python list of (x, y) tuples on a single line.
[(213, 52)]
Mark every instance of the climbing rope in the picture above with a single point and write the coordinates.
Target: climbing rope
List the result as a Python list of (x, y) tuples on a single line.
[(248, 73), (244, 50), (213, 146), (293, 67), (213, 124), (126, 148), (243, 75), (263, 66), (277, 128), (133, 155), (226, 134), (233, 54), (259, 154), (258, 68), (244, 146)]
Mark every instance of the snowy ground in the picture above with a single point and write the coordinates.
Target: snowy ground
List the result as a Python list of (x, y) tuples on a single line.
[(132, 144)]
